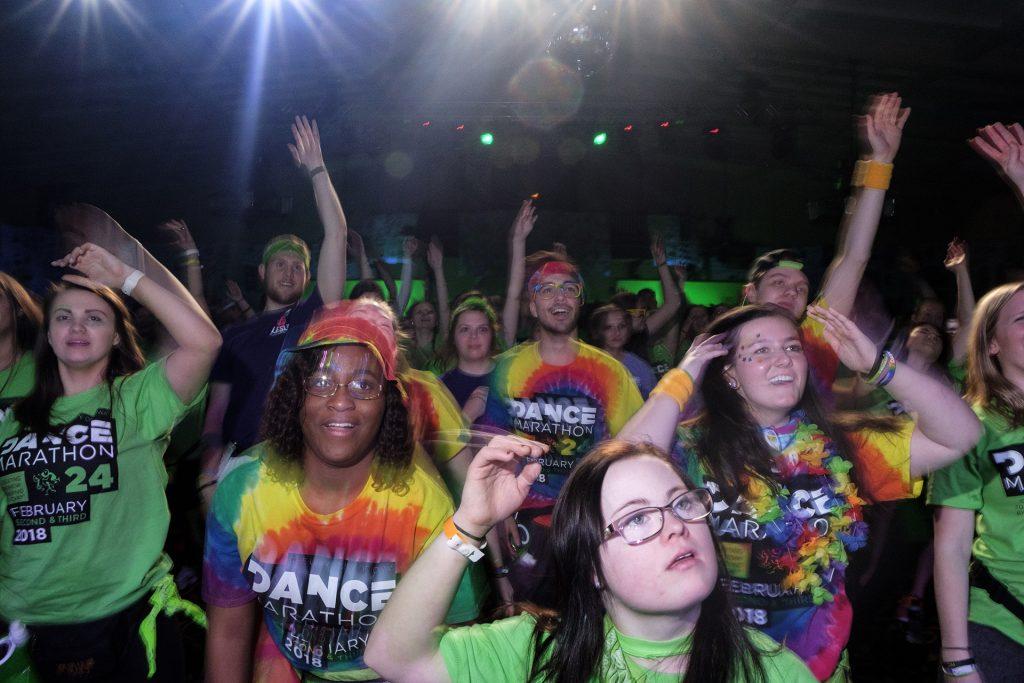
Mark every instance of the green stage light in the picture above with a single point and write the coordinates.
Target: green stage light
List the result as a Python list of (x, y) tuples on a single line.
[(600, 138), (487, 139)]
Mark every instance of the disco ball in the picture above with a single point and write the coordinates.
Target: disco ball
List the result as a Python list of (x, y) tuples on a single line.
[(585, 39)]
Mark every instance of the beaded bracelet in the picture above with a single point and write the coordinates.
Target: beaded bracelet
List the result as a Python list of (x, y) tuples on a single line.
[(883, 371)]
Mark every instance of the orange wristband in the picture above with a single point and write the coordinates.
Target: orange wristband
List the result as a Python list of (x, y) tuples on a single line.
[(677, 385), (875, 175)]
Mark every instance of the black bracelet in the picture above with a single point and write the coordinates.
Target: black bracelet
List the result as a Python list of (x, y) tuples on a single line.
[(501, 572), (877, 366), (468, 535), (318, 169)]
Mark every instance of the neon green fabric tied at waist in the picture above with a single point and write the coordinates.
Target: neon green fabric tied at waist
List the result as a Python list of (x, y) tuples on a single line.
[(165, 599)]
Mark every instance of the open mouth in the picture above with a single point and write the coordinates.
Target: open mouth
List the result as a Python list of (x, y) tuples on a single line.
[(339, 428), (683, 560), (780, 380)]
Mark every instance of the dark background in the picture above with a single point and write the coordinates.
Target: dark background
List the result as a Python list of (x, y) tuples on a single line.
[(144, 107)]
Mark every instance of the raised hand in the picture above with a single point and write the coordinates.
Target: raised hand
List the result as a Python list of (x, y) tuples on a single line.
[(956, 255), (1003, 147), (435, 253), (355, 242), (409, 246), (702, 350), (881, 128), (234, 291), (97, 264), (523, 224), (306, 150), (498, 480), (853, 347), (179, 234), (658, 250)]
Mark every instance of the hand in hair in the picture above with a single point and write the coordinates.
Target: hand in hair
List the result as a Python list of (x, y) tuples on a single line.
[(178, 233), (703, 349), (98, 265), (1003, 147), (956, 255), (498, 480), (306, 150), (853, 347), (881, 129)]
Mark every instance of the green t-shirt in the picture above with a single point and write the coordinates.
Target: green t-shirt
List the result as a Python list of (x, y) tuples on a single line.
[(17, 381), (989, 479), (503, 651), (83, 514)]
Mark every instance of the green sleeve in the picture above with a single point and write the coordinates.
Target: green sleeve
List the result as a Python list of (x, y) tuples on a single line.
[(147, 395), (959, 485), (781, 665), (500, 651)]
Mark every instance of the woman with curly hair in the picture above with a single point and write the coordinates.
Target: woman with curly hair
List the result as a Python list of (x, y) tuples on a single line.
[(336, 503)]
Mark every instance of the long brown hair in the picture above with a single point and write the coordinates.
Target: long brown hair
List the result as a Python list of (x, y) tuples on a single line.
[(28, 314), (449, 354), (986, 385), (125, 357), (569, 644)]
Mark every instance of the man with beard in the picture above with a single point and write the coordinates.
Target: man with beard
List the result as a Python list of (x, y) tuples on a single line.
[(557, 391), (245, 369)]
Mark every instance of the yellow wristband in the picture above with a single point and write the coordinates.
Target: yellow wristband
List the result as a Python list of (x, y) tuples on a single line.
[(875, 175), (677, 385)]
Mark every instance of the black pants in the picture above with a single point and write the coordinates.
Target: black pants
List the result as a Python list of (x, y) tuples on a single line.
[(1000, 659), (109, 649)]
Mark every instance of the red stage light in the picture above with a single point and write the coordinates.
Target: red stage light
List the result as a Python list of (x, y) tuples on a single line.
[(664, 124), (714, 131), (461, 126), (629, 127), (425, 124)]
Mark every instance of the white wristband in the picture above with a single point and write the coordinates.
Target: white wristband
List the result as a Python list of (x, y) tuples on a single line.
[(129, 282), (190, 252)]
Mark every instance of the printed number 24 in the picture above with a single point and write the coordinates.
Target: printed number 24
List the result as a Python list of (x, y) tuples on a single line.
[(100, 479)]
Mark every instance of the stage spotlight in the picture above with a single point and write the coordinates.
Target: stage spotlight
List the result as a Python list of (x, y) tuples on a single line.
[(487, 139), (664, 124), (461, 126), (600, 138), (628, 128)]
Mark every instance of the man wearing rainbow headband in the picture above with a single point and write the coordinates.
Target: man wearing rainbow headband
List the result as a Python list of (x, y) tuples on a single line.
[(245, 369), (561, 392)]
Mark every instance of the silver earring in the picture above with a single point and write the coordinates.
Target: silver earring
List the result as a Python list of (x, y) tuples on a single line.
[(733, 385)]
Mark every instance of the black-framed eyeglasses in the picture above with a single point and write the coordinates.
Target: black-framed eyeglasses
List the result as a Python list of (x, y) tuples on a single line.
[(363, 389), (646, 523), (571, 290)]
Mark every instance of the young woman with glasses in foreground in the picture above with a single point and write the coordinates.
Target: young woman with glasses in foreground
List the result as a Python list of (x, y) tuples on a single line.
[(636, 571)]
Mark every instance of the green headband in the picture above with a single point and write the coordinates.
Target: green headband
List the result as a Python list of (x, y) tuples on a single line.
[(288, 243), (795, 265)]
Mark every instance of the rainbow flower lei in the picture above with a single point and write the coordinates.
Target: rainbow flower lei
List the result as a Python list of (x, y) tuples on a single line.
[(815, 563)]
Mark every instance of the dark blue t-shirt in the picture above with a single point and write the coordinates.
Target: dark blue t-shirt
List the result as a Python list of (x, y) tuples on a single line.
[(247, 362), (462, 384)]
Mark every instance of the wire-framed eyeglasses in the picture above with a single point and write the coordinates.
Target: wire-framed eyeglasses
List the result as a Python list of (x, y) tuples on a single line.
[(363, 385), (641, 525)]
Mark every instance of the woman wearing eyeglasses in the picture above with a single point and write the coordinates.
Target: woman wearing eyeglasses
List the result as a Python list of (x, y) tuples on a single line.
[(636, 570), (311, 536), (789, 480)]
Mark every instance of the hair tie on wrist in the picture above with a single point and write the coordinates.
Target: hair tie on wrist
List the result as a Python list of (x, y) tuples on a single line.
[(128, 286), (318, 169)]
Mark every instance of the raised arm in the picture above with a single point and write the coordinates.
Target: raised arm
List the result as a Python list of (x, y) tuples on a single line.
[(956, 262), (655, 423), (670, 291), (435, 258), (404, 643), (330, 267), (358, 249), (409, 246), (238, 299), (182, 240), (198, 340), (384, 273), (881, 131), (1003, 147), (946, 427), (521, 228)]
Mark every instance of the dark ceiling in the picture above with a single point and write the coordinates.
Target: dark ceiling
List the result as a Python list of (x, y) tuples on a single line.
[(114, 99)]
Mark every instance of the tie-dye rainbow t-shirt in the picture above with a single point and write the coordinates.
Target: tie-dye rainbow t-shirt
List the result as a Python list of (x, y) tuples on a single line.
[(438, 424), (786, 551), (822, 360), (321, 580), (571, 407)]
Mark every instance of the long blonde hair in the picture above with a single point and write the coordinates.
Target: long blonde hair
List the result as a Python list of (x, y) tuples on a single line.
[(987, 387)]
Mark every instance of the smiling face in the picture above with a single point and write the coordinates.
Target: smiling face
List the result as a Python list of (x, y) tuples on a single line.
[(284, 277), (81, 329), (473, 336), (1007, 341), (558, 314), (671, 573), (768, 367), (339, 430), (786, 288)]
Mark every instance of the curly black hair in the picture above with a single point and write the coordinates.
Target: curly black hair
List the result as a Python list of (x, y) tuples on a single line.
[(282, 426)]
